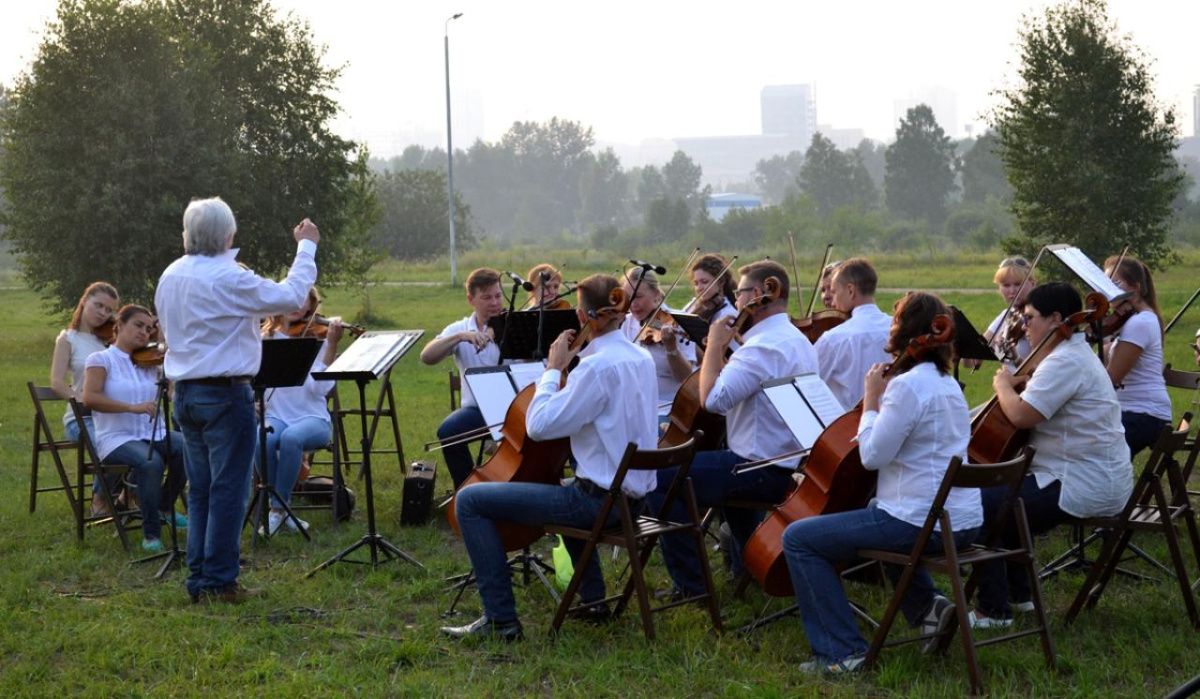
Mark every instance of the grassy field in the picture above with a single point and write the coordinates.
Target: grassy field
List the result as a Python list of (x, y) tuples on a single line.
[(79, 618)]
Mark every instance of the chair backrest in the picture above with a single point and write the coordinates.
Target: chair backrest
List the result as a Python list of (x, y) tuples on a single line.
[(1176, 378), (960, 474), (455, 389), (40, 395), (1161, 462)]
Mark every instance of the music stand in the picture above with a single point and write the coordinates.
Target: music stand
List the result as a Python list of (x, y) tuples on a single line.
[(370, 357), (968, 343), (285, 362), (695, 326), (172, 555), (519, 331)]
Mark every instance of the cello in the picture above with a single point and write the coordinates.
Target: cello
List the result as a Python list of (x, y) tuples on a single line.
[(834, 481), (520, 458), (993, 436)]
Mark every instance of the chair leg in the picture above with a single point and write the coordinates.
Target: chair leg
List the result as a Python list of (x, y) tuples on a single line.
[(714, 609), (889, 616), (1031, 569), (564, 604), (33, 474), (1101, 570), (964, 620), (1181, 572)]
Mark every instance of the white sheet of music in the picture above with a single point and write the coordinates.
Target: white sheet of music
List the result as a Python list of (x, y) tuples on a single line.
[(495, 387), (826, 405), (1087, 270), (806, 405), (526, 373)]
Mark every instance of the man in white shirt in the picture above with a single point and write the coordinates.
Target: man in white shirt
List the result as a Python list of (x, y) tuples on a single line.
[(210, 309), (772, 348), (471, 343), (607, 403), (846, 352), (1081, 466)]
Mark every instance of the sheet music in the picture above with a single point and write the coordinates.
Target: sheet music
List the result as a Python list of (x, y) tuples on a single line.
[(800, 419), (494, 392), (1087, 271), (371, 355), (525, 373), (826, 405)]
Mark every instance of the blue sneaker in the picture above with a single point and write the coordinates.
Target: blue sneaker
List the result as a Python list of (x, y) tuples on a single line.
[(152, 545), (180, 520)]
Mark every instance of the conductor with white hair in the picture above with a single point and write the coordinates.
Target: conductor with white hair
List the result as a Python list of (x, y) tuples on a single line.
[(210, 309)]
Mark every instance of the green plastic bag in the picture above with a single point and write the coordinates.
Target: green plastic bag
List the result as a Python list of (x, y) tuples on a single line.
[(563, 568)]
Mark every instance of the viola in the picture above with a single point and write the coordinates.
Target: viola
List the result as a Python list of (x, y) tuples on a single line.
[(654, 327), (993, 436), (520, 458), (819, 323), (834, 480), (106, 332), (317, 325)]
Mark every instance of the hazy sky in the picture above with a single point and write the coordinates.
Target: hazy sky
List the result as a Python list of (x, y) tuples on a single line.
[(662, 69)]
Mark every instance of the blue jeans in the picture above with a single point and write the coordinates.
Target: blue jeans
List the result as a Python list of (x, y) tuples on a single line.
[(286, 445), (814, 544), (480, 504), (1141, 430), (148, 466), (459, 461), (71, 432), (714, 482), (999, 581), (219, 431)]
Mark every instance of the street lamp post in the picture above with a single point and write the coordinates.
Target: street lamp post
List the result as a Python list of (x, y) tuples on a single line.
[(450, 152)]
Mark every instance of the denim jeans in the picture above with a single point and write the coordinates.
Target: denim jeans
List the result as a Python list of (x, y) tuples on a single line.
[(286, 445), (71, 432), (480, 504), (1141, 430), (148, 466), (459, 461), (714, 482), (219, 431), (1001, 582), (814, 544)]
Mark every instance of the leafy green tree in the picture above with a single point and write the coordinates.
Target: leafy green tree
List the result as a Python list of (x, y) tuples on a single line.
[(920, 168), (413, 220), (835, 179), (650, 188), (604, 188), (667, 219), (983, 173), (873, 156), (130, 110), (1087, 148), (776, 176)]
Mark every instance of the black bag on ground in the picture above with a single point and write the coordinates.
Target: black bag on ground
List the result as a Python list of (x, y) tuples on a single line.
[(418, 493)]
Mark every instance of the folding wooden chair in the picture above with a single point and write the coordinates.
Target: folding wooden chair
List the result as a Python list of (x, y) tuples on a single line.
[(638, 533), (1152, 507), (1188, 381), (951, 559), (44, 442), (337, 462), (88, 464)]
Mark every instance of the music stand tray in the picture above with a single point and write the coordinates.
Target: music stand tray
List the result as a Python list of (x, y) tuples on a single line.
[(695, 326), (517, 332), (370, 357), (285, 363)]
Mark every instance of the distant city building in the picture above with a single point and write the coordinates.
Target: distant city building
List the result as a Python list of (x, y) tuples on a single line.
[(719, 205), (789, 110), (844, 139), (732, 158), (942, 100)]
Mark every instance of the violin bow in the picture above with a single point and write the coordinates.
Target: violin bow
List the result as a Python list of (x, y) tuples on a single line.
[(795, 269), (1178, 315), (1020, 290), (687, 263), (817, 284), (704, 292)]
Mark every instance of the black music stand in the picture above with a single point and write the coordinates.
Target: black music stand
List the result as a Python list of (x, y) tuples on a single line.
[(695, 326), (172, 555), (519, 332), (370, 357), (968, 343), (285, 362)]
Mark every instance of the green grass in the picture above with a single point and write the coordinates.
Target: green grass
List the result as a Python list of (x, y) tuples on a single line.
[(77, 617)]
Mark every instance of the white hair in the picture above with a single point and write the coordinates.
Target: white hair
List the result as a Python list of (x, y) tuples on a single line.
[(207, 226)]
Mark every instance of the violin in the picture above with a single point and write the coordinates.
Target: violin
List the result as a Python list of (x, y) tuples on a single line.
[(993, 436), (741, 323), (654, 327), (817, 324), (520, 458), (106, 332), (317, 326), (834, 479)]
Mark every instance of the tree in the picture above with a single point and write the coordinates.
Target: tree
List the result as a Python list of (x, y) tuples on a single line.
[(835, 179), (776, 176), (604, 191), (413, 221), (983, 171), (1087, 149), (920, 168), (130, 110)]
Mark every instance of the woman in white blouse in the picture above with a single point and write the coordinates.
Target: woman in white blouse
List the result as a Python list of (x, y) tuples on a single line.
[(674, 356), (914, 420), (128, 431), (1135, 357), (71, 350), (298, 415)]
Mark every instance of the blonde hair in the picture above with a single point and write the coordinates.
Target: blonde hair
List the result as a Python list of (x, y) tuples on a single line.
[(278, 323), (1013, 268)]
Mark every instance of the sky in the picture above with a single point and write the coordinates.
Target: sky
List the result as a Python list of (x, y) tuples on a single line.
[(661, 69)]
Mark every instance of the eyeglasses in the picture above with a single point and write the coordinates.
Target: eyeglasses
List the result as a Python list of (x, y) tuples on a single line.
[(745, 290)]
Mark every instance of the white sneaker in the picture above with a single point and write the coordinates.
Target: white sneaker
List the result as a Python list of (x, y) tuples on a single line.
[(274, 520), (291, 523), (1022, 607), (988, 622), (937, 622)]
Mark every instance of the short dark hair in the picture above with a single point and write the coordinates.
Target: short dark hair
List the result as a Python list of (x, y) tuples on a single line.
[(1055, 297), (758, 272), (480, 279), (860, 273), (594, 291), (913, 317)]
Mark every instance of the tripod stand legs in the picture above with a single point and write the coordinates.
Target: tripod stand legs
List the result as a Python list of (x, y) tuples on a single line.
[(526, 564)]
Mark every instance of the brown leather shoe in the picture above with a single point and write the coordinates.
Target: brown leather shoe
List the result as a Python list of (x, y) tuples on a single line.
[(234, 594)]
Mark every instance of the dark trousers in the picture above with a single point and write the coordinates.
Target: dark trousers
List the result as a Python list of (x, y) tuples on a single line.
[(1000, 581)]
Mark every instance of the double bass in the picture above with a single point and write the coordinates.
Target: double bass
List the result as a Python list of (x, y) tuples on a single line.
[(834, 481), (520, 458)]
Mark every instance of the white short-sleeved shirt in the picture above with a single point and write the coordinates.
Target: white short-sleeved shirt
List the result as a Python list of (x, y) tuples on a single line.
[(607, 403), (82, 346), (293, 403), (1143, 390), (1081, 442), (1023, 347), (467, 357), (127, 383), (774, 348), (848, 351), (668, 385), (923, 421)]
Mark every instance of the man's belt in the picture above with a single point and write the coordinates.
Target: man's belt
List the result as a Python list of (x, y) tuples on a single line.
[(219, 381)]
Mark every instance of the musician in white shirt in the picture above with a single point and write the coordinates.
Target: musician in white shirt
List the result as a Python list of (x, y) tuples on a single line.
[(772, 348), (848, 350), (210, 309), (914, 421), (607, 403), (674, 356), (472, 344)]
